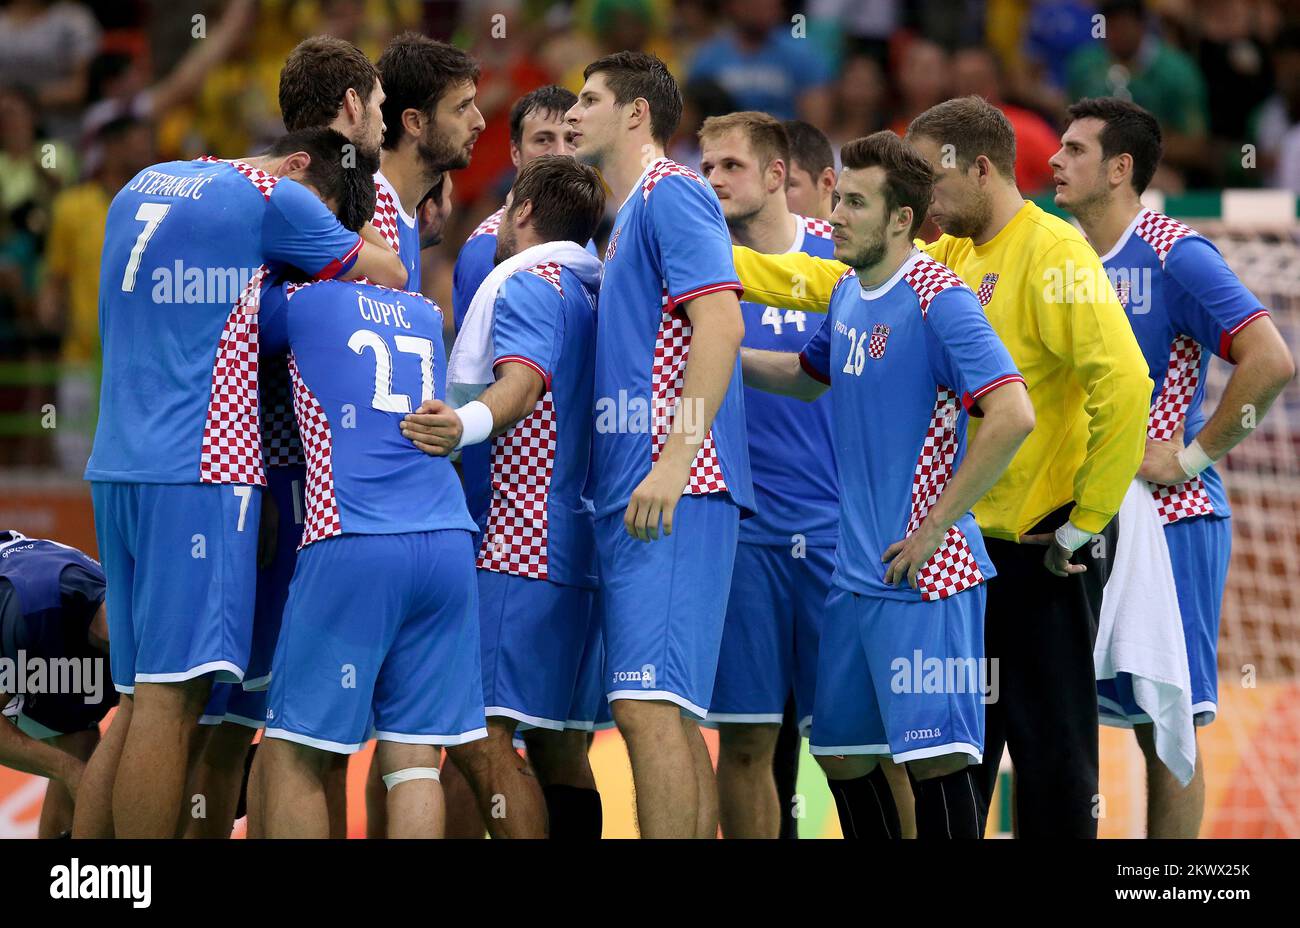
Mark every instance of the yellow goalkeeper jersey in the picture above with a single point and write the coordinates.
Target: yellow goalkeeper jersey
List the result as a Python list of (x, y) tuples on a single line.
[(1047, 296)]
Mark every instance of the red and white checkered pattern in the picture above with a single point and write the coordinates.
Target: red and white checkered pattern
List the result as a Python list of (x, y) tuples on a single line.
[(929, 278), (985, 292), (231, 451), (818, 227), (263, 181), (672, 346), (876, 344), (666, 167), (1180, 500), (280, 444), (952, 568), (549, 271), (1161, 232), (489, 225), (322, 517), (385, 219), (515, 540)]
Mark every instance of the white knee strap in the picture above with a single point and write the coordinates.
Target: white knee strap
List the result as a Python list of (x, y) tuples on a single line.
[(410, 773)]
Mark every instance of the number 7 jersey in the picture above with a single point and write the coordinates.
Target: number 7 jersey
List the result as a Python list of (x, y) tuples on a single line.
[(360, 358)]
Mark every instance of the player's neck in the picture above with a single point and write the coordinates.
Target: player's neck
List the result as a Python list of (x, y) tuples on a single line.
[(899, 251), (408, 175), (628, 163), (1007, 201), (771, 231), (1104, 226)]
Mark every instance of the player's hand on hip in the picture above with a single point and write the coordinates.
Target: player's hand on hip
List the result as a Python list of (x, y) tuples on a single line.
[(434, 428), (1160, 462), (268, 531), (654, 499), (907, 557), (1057, 558)]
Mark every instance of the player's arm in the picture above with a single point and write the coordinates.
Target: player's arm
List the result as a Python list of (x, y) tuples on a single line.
[(789, 281), (1088, 330), (19, 751), (779, 372), (717, 330), (1008, 420), (437, 429), (1229, 317), (376, 261)]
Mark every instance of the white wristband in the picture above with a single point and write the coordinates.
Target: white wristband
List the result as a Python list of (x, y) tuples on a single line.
[(1071, 537), (1193, 459), (475, 423)]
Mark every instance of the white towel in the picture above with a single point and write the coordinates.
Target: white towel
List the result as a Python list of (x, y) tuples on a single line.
[(1141, 631), (469, 370)]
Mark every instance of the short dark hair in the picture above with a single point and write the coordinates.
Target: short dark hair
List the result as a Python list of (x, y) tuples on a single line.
[(339, 170), (549, 99), (765, 134), (636, 74), (568, 197), (809, 147), (909, 179), (974, 127), (1126, 128), (317, 76), (416, 71)]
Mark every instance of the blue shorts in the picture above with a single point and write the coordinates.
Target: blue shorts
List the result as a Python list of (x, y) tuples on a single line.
[(181, 560), (590, 709), (533, 633), (1199, 550), (382, 623), (230, 702), (901, 677), (282, 484), (665, 603), (769, 644)]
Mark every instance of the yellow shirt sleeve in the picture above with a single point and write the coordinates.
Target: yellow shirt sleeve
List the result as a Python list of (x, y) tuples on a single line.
[(795, 280), (1081, 322), (60, 245)]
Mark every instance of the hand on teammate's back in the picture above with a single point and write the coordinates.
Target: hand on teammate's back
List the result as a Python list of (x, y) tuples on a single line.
[(434, 428)]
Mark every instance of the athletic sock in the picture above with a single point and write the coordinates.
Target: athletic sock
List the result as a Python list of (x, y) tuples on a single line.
[(866, 806), (947, 807), (574, 812)]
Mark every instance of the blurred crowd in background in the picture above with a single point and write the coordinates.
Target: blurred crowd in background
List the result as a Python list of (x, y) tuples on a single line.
[(91, 92)]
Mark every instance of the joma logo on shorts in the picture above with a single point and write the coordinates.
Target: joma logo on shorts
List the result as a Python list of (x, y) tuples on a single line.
[(645, 676), (921, 734)]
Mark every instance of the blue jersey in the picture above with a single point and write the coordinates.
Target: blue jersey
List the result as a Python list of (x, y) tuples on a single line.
[(906, 361), (789, 440), (668, 246), (476, 259), (769, 79), (528, 482), (187, 245), (1181, 299), (360, 358), (399, 230)]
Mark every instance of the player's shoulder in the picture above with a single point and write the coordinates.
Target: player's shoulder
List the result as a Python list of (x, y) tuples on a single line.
[(262, 182), (814, 227), (929, 279), (1161, 233), (488, 226), (667, 174), (544, 279)]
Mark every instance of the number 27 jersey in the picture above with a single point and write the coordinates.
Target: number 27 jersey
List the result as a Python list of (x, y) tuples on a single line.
[(360, 358)]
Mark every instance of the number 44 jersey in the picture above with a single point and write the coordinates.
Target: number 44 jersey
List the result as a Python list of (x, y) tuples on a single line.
[(360, 358)]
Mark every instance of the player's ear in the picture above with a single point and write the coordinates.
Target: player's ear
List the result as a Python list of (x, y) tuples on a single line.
[(413, 122), (638, 112), (295, 163), (523, 213)]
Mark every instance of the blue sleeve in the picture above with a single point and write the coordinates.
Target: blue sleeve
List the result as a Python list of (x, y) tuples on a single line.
[(692, 239), (1220, 305), (81, 588), (273, 321), (527, 322), (300, 231), (815, 358), (965, 353), (473, 264)]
